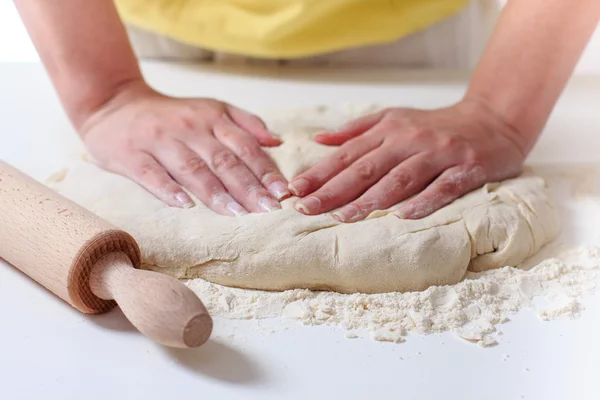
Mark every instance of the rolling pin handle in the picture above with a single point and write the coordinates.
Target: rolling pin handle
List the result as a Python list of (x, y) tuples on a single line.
[(158, 305)]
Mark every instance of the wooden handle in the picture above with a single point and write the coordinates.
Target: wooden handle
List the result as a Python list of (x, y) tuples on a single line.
[(159, 306), (88, 262)]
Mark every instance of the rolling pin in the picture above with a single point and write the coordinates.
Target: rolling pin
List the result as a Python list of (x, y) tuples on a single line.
[(91, 264)]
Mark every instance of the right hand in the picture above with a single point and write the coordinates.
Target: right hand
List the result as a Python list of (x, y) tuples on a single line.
[(165, 144)]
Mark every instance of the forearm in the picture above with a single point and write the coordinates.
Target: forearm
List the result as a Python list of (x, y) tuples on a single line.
[(530, 58), (84, 48)]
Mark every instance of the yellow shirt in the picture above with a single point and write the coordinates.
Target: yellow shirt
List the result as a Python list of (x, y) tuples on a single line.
[(285, 28)]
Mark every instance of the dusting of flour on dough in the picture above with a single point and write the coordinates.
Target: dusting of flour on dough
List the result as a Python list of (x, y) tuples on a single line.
[(499, 224), (506, 223), (472, 308)]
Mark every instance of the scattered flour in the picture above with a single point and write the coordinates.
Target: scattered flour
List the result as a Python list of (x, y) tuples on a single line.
[(551, 284), (471, 308)]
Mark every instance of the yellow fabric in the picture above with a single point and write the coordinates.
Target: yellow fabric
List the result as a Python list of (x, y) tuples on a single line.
[(285, 28)]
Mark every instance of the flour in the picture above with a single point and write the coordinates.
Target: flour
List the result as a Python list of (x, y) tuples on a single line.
[(551, 284), (472, 309)]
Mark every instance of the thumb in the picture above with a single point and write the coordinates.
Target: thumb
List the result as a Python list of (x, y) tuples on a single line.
[(253, 125), (350, 130)]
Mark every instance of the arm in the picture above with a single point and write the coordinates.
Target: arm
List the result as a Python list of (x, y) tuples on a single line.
[(85, 50), (430, 158), (165, 144), (530, 58)]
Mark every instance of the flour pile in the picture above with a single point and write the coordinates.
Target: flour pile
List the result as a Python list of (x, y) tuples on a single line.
[(551, 284), (471, 308)]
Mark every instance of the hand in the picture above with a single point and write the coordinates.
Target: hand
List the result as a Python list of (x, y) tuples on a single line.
[(208, 147), (388, 157)]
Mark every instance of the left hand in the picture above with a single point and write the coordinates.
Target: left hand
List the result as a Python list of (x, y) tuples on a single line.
[(432, 156)]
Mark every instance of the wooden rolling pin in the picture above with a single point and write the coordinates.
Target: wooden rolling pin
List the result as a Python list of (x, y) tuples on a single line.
[(89, 263)]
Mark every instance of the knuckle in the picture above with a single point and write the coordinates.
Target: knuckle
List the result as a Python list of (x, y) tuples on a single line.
[(249, 150), (206, 116), (475, 161), (475, 174), (451, 186), (447, 188), (325, 195), (145, 169), (130, 143), (448, 142), (256, 192), (149, 176), (147, 126), (219, 113), (401, 179), (388, 123), (184, 123), (342, 157), (420, 132), (218, 196), (224, 159), (253, 192), (367, 204), (210, 108), (168, 187), (151, 131), (192, 165), (224, 133), (365, 170), (397, 116), (472, 156)]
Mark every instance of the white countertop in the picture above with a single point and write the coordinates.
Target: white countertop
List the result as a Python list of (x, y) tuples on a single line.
[(50, 351)]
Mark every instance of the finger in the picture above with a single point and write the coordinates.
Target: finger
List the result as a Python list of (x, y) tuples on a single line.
[(142, 168), (249, 151), (450, 185), (189, 170), (350, 183), (350, 130), (253, 125), (333, 164), (239, 181), (402, 182)]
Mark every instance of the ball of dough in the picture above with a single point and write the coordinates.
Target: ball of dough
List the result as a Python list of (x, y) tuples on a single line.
[(500, 224)]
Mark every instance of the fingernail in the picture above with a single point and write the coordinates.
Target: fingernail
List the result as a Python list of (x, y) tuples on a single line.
[(184, 200), (279, 190), (349, 213), (235, 209), (309, 205), (299, 186), (268, 204), (275, 137)]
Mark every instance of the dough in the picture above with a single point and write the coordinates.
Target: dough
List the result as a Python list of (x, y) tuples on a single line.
[(500, 224)]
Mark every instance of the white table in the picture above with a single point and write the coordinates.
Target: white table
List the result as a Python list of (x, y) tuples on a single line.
[(48, 350)]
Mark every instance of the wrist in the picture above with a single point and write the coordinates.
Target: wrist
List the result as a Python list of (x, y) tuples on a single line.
[(85, 111), (523, 133), (82, 101)]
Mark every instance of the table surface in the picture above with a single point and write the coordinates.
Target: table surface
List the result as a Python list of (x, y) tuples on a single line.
[(48, 350)]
